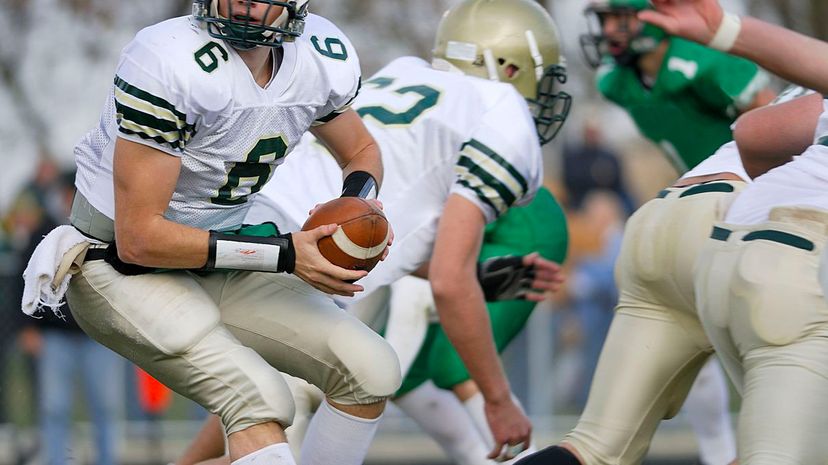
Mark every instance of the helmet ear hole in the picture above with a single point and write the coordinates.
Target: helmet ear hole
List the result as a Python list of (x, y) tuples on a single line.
[(511, 70)]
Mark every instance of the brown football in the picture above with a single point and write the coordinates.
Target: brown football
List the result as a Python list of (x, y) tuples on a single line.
[(362, 235)]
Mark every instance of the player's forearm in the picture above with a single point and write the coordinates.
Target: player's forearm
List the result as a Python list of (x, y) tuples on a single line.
[(367, 159), (465, 321), (160, 243), (776, 49), (771, 136)]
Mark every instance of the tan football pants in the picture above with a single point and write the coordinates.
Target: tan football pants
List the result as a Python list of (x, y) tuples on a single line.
[(765, 312), (656, 345), (219, 338)]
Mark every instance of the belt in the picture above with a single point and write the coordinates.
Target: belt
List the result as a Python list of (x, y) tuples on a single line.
[(723, 234), (89, 221), (700, 189)]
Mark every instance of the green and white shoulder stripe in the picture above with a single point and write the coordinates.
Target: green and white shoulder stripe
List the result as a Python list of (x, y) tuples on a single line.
[(492, 178), (150, 117)]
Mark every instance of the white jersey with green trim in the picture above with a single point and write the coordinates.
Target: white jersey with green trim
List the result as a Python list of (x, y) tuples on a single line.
[(802, 182), (440, 133), (189, 95)]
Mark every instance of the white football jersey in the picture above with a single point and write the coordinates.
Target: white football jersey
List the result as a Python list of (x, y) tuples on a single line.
[(191, 96), (802, 182), (439, 133), (725, 160)]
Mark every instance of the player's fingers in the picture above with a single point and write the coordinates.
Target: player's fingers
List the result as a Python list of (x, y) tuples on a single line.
[(511, 452), (338, 287), (495, 453), (535, 296), (313, 210), (658, 19), (321, 231), (375, 203), (529, 259), (546, 284), (334, 273)]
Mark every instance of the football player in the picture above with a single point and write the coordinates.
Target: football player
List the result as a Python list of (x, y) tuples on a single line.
[(202, 110), (668, 84), (761, 280), (461, 145), (684, 97)]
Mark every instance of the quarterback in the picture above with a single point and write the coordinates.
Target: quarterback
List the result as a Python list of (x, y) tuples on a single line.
[(683, 97), (461, 146), (203, 109)]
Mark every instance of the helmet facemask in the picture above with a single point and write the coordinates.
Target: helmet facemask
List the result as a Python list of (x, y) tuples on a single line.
[(242, 33), (641, 38), (551, 106)]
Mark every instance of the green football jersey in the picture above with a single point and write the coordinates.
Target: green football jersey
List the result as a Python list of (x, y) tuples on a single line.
[(697, 95)]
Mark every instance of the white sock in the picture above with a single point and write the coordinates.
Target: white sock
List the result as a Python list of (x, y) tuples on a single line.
[(475, 406), (440, 414), (335, 437), (706, 408), (275, 454), (306, 399)]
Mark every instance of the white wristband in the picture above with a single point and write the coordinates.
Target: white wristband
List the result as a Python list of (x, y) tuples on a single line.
[(728, 32)]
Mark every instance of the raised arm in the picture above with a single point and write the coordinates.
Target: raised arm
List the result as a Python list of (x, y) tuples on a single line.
[(793, 56)]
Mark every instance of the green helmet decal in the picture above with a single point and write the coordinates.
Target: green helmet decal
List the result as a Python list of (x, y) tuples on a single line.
[(643, 38), (511, 41), (242, 33)]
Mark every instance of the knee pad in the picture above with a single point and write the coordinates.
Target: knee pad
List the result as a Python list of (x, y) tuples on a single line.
[(552, 455), (372, 370)]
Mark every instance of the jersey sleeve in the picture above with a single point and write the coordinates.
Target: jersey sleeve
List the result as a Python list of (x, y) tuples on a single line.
[(152, 100), (340, 63), (500, 165), (729, 82)]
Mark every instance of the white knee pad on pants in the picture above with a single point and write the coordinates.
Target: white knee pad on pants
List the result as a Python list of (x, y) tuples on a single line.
[(372, 365)]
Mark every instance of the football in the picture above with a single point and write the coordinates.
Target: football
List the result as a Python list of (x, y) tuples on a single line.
[(362, 235)]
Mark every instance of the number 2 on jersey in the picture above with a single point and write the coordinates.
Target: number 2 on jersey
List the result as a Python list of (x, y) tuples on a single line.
[(429, 97), (253, 173)]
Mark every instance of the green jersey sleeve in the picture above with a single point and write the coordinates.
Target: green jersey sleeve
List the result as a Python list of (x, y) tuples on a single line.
[(726, 82)]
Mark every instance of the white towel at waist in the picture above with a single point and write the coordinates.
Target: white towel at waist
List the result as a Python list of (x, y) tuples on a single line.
[(55, 259)]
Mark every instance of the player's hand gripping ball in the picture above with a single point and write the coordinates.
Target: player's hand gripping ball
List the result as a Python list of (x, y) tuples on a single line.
[(360, 239)]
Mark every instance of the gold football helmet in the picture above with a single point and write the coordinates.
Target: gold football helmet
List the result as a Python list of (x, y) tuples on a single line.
[(511, 41)]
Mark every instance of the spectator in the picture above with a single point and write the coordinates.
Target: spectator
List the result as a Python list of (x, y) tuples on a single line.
[(62, 350), (591, 165)]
